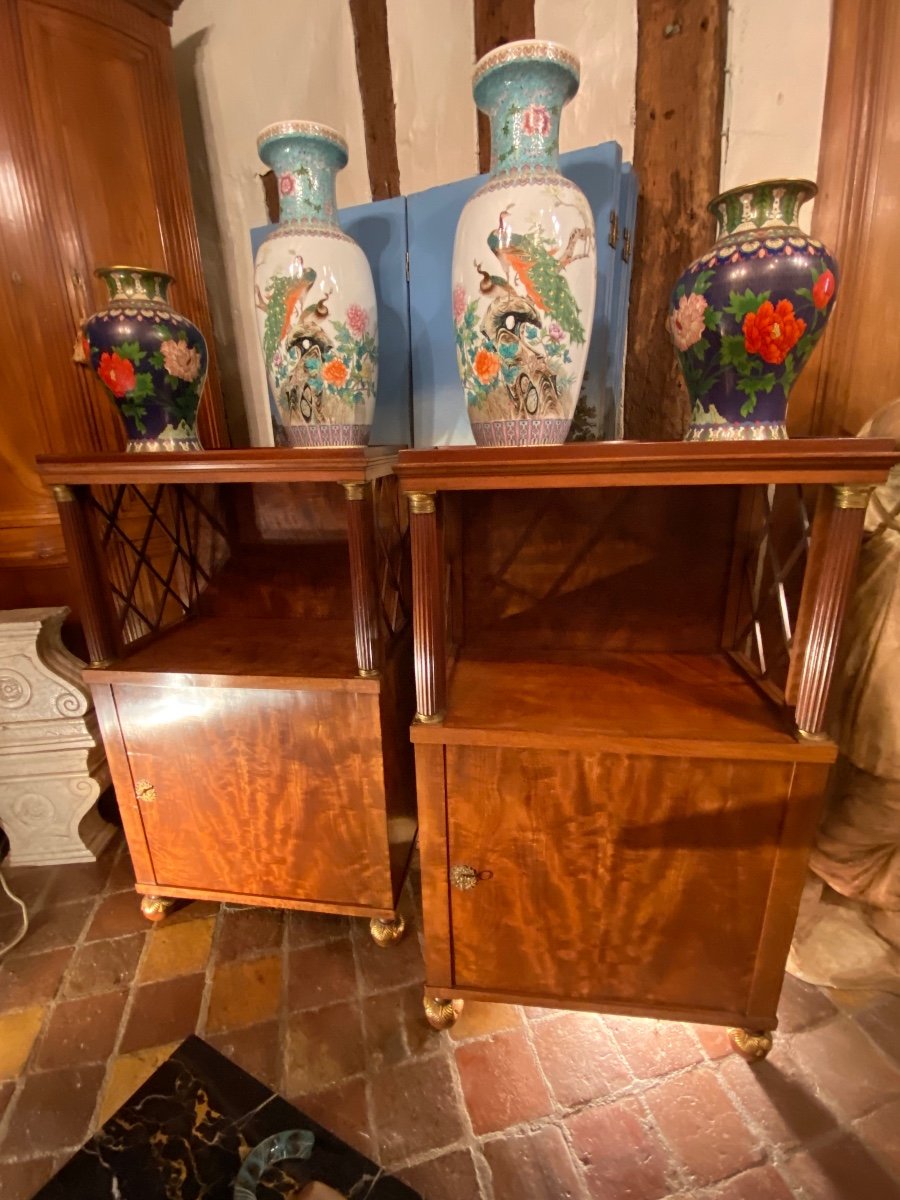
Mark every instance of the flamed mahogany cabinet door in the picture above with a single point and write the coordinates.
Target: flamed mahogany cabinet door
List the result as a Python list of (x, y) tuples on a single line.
[(261, 792), (639, 880)]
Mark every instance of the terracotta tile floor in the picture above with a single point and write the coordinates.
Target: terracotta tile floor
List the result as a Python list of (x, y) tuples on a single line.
[(512, 1104)]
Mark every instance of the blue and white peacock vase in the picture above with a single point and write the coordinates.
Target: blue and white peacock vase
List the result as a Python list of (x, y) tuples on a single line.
[(317, 317), (524, 261), (745, 317), (152, 360)]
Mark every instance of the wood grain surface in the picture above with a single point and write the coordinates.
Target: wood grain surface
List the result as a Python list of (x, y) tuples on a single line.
[(605, 569), (642, 464), (271, 793), (659, 900), (680, 93)]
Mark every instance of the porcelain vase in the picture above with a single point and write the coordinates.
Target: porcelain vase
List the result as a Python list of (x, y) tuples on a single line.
[(524, 260), (317, 318), (152, 360), (744, 317)]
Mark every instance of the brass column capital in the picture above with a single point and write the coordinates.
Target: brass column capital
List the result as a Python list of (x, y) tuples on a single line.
[(421, 502), (852, 495), (62, 493), (354, 490)]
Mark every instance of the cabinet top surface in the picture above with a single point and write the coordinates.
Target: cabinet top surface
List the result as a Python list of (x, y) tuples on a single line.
[(636, 464), (338, 464)]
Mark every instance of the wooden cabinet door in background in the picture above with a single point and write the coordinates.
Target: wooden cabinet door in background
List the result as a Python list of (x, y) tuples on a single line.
[(95, 172)]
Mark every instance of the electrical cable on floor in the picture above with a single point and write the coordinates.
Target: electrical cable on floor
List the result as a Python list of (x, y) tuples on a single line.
[(21, 903)]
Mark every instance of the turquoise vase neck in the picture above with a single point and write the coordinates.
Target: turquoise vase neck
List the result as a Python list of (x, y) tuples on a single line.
[(522, 87), (306, 159)]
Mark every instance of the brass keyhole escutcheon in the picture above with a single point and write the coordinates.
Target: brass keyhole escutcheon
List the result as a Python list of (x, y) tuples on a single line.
[(144, 790), (463, 877)]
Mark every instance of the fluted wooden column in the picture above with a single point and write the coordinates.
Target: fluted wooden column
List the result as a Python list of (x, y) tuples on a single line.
[(429, 621), (833, 583), (363, 587), (87, 563)]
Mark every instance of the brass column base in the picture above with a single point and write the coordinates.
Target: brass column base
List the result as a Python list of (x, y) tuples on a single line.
[(386, 932), (749, 1044), (155, 908), (439, 1013)]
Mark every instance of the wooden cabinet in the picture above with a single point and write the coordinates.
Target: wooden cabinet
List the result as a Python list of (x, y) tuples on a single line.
[(94, 173), (623, 655), (252, 671)]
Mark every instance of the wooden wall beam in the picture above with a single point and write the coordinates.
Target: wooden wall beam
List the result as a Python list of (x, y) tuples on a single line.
[(677, 151), (376, 85), (496, 23)]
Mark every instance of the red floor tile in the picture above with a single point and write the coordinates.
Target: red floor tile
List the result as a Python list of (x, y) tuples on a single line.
[(53, 1110), (163, 1012), (82, 1031), (20, 1180), (34, 979), (880, 1132), (654, 1048), (104, 966), (117, 915), (536, 1164), (320, 975), (246, 932), (778, 1100), (448, 1177), (256, 1048), (622, 1155), (802, 1006), (842, 1169), (854, 1076), (415, 1110), (502, 1082), (580, 1059), (700, 1123), (324, 1046), (344, 1110), (759, 1183)]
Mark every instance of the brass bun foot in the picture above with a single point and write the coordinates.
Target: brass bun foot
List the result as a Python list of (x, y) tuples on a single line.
[(441, 1014), (385, 933), (750, 1045), (155, 908)]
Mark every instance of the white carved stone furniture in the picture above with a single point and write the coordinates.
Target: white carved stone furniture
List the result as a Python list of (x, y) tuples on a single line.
[(52, 764)]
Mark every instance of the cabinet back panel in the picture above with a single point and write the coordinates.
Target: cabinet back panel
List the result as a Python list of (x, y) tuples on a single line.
[(269, 793), (607, 877), (607, 568)]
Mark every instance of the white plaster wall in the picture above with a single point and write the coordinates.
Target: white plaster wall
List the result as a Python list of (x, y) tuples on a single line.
[(604, 36), (256, 63), (435, 115), (775, 90)]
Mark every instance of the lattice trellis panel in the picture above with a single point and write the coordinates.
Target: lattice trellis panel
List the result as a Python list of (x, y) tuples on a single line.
[(162, 544), (772, 582), (392, 553)]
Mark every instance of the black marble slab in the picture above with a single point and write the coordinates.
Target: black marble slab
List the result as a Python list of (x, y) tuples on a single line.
[(184, 1133)]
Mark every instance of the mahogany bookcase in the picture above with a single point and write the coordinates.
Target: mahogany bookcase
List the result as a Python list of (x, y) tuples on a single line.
[(247, 620), (623, 654)]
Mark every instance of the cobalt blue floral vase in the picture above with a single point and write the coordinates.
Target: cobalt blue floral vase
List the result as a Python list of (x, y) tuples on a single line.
[(152, 360), (525, 259), (745, 317), (315, 298)]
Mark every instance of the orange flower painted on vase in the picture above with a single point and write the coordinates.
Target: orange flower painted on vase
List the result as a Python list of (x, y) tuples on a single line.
[(773, 330), (823, 289), (486, 365), (335, 372), (117, 373)]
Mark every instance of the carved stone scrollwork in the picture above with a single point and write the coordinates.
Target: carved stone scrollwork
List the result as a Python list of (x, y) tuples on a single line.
[(52, 765)]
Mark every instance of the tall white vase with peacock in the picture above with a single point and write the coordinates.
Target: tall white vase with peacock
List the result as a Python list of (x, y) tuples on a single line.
[(525, 260), (317, 319)]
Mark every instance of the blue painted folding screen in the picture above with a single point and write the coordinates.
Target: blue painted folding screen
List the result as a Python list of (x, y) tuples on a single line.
[(418, 386)]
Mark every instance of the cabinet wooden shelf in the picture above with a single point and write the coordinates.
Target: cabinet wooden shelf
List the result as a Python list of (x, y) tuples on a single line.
[(247, 615), (693, 705), (623, 654)]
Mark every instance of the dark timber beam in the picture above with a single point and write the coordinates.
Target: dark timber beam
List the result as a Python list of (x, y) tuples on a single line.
[(496, 23), (677, 151), (373, 65)]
